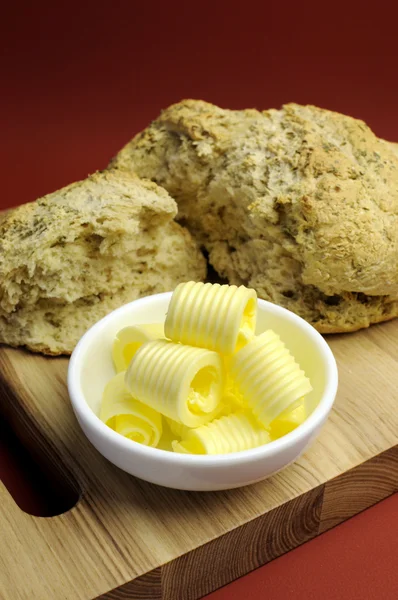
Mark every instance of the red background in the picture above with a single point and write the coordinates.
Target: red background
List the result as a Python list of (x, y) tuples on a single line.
[(79, 79)]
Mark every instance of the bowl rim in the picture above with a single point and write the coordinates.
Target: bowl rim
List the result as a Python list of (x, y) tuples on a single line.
[(90, 420)]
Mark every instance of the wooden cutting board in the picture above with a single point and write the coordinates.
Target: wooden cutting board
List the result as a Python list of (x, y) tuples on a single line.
[(129, 539)]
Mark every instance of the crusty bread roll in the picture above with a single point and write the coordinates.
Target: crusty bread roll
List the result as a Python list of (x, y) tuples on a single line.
[(71, 257), (300, 204)]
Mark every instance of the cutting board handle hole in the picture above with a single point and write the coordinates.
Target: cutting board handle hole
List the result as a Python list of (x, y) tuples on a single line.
[(34, 489)]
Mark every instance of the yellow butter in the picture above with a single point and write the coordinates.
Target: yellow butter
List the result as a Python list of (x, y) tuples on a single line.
[(287, 421), (232, 397), (127, 416), (181, 382), (213, 316), (179, 430), (268, 377), (129, 339), (167, 438), (231, 433)]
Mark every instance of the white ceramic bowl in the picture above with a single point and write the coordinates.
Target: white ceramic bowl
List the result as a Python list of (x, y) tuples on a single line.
[(91, 367)]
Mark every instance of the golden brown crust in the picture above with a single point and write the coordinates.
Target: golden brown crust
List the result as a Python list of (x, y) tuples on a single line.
[(330, 329), (37, 348)]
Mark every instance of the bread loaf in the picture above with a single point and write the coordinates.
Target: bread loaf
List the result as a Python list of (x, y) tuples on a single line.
[(299, 203), (71, 257)]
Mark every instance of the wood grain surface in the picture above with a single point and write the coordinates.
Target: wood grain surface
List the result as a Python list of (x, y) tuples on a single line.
[(126, 538)]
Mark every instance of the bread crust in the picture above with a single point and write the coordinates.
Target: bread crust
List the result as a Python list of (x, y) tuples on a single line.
[(330, 329)]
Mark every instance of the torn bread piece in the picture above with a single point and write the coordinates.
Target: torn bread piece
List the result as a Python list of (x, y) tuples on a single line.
[(300, 204), (73, 256)]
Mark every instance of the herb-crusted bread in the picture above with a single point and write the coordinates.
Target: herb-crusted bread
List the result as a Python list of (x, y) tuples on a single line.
[(71, 257), (299, 203)]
